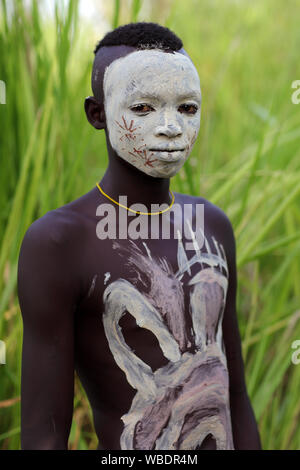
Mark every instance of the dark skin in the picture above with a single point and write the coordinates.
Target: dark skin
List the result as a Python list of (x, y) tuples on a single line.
[(61, 273)]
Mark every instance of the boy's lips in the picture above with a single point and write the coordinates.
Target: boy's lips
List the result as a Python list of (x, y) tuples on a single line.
[(168, 155)]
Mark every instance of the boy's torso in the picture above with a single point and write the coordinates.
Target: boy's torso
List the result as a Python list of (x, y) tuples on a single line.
[(148, 338)]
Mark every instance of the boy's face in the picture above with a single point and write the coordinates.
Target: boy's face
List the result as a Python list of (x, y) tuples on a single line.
[(152, 104)]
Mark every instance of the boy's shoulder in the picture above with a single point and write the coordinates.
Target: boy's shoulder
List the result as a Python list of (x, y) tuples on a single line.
[(213, 212), (58, 229), (217, 220), (64, 224)]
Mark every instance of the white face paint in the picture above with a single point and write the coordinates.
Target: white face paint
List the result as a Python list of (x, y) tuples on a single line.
[(153, 108)]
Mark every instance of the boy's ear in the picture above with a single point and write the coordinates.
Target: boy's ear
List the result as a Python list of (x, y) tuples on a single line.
[(95, 112)]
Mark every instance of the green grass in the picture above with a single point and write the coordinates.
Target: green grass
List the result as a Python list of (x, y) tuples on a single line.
[(246, 160)]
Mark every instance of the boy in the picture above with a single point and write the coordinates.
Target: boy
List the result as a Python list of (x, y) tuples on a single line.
[(151, 331)]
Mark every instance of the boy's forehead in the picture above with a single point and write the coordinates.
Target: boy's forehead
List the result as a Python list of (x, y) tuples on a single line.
[(142, 67)]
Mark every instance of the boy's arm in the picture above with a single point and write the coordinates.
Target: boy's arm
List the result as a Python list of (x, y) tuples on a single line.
[(47, 296), (244, 427)]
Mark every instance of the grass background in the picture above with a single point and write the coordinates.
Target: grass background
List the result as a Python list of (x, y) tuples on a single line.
[(246, 160)]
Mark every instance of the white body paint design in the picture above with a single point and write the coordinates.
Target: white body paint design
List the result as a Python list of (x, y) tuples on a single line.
[(181, 403), (165, 82), (106, 277), (92, 287)]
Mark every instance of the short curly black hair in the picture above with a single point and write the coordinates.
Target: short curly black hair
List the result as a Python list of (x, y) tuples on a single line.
[(141, 36)]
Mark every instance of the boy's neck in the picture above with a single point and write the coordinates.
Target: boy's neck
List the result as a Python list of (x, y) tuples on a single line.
[(123, 179)]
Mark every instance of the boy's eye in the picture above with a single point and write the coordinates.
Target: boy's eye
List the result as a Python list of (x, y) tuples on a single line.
[(188, 108), (142, 108)]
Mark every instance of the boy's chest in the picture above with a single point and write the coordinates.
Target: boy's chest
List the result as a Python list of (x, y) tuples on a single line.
[(159, 299), (159, 327), (177, 295)]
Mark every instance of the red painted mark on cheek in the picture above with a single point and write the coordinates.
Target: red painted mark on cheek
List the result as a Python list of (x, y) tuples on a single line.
[(144, 155), (129, 134), (193, 140)]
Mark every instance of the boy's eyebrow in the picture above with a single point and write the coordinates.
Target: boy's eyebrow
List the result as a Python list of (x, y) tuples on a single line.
[(141, 94), (193, 95)]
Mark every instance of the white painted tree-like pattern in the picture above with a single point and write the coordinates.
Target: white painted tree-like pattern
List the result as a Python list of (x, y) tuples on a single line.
[(186, 400)]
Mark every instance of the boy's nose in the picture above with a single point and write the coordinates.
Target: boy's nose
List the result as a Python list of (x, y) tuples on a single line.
[(169, 128)]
